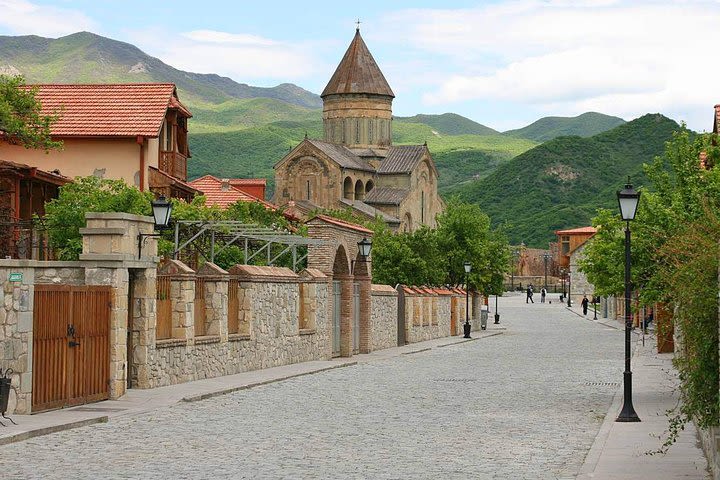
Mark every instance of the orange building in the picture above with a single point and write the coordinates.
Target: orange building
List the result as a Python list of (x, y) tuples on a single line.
[(224, 192), (570, 240), (134, 132)]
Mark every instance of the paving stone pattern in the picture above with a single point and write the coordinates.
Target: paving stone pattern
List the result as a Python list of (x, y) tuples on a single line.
[(511, 406)]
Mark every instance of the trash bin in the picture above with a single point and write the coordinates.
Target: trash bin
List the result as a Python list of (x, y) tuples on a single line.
[(483, 317), (4, 394)]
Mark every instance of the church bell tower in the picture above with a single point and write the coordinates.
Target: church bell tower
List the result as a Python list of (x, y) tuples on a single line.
[(357, 101)]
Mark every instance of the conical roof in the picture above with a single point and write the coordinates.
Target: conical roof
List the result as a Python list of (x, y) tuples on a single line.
[(358, 73)]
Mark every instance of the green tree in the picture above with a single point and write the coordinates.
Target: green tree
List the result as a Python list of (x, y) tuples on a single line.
[(65, 215), (21, 120)]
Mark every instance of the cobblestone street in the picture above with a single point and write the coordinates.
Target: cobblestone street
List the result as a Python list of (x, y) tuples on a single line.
[(524, 404)]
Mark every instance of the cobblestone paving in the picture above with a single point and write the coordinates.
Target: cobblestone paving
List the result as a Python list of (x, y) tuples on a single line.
[(512, 406)]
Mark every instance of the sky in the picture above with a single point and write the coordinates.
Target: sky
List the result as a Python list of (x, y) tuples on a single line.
[(501, 63)]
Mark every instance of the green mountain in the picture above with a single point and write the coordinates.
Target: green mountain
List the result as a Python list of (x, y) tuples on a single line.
[(88, 58), (449, 124), (561, 183), (585, 125)]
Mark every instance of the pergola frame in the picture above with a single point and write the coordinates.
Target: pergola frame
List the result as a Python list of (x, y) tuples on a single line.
[(256, 239)]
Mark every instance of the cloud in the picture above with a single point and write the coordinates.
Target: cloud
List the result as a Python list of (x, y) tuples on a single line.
[(243, 57), (26, 18), (619, 57)]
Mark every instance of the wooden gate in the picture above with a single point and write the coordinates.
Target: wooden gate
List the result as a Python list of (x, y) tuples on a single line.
[(453, 316), (71, 345)]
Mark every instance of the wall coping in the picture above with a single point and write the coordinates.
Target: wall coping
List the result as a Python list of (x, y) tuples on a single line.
[(119, 216), (89, 263), (256, 273), (210, 271), (102, 231), (175, 268), (383, 290)]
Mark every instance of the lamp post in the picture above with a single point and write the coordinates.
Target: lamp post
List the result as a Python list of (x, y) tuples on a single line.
[(546, 257), (569, 304), (562, 280), (594, 306), (628, 199), (466, 327), (515, 254), (497, 315), (162, 209)]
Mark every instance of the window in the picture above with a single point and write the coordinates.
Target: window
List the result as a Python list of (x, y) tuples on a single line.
[(370, 131), (357, 131), (307, 191), (565, 244)]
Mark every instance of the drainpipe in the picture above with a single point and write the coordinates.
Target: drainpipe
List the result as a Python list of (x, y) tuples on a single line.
[(141, 141)]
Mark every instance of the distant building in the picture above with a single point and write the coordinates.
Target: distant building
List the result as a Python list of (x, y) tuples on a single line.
[(571, 250), (356, 165), (134, 132), (226, 191), (570, 240)]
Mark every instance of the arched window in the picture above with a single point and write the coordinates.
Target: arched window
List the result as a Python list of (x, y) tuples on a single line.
[(359, 190), (357, 131), (369, 186), (370, 130), (348, 192)]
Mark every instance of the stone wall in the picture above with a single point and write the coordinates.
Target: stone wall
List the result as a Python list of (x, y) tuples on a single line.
[(428, 312), (272, 304), (384, 317), (579, 284)]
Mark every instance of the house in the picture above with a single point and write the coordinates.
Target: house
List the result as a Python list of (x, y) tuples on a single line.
[(569, 240), (355, 166), (224, 192), (134, 132), (24, 190)]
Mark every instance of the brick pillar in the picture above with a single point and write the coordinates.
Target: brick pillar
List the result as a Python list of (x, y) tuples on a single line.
[(346, 314), (365, 313)]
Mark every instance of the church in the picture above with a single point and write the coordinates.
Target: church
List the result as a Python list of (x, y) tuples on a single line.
[(356, 166)]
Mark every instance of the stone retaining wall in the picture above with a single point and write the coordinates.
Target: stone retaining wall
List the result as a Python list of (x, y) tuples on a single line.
[(428, 312)]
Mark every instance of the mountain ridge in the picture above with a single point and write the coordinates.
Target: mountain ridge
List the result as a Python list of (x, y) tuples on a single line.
[(584, 125)]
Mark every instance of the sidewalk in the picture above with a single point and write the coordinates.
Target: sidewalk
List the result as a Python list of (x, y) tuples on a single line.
[(619, 450), (138, 401)]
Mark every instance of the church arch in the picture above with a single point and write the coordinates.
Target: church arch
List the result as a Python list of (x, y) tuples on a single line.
[(369, 186), (359, 190), (348, 192), (407, 223)]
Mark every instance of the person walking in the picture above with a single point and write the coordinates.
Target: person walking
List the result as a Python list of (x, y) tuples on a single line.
[(529, 294), (584, 304), (543, 292)]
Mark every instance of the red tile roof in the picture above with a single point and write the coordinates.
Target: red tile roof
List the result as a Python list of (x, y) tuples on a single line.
[(212, 188), (576, 231), (119, 110), (342, 223), (248, 181)]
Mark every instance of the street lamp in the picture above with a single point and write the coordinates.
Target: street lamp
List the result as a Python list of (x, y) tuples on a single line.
[(562, 280), (162, 209), (466, 327), (628, 199), (546, 257), (364, 246), (569, 304)]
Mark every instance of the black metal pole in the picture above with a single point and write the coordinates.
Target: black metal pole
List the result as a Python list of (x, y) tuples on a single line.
[(545, 258), (497, 315), (466, 327), (569, 304), (627, 414), (594, 306)]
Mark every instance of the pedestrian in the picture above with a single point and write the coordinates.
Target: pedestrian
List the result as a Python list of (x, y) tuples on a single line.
[(585, 304), (543, 292), (648, 319), (529, 294)]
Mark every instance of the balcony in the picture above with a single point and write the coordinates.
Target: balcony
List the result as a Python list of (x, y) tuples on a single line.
[(174, 163)]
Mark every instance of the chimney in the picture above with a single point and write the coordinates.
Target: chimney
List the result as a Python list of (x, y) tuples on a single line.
[(225, 184)]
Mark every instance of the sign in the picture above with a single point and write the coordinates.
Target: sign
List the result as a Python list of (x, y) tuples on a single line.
[(15, 277)]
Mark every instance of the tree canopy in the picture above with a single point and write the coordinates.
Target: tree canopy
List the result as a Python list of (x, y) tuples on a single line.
[(21, 120)]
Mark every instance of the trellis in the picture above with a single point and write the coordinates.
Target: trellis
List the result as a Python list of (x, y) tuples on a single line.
[(255, 239)]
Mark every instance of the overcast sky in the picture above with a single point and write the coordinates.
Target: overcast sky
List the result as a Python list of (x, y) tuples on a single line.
[(501, 63)]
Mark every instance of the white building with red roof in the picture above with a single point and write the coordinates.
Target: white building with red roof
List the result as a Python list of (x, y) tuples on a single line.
[(135, 132)]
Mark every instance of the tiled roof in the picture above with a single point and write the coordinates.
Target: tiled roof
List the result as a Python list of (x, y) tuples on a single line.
[(369, 210), (576, 231), (248, 181), (386, 196), (402, 158), (358, 73), (121, 110), (28, 171), (342, 155), (342, 223), (212, 188)]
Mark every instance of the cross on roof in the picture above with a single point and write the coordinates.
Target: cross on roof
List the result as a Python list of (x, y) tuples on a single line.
[(358, 24)]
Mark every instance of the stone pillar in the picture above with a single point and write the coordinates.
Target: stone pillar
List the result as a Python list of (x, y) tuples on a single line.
[(346, 314), (182, 294), (144, 322), (216, 299)]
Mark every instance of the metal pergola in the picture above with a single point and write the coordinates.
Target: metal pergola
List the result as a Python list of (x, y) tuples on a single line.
[(256, 239)]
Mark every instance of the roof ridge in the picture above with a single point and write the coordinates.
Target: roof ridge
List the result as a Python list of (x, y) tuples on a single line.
[(144, 84)]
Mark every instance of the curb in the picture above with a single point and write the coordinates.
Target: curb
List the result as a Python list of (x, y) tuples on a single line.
[(471, 339), (416, 351), (19, 437), (205, 396)]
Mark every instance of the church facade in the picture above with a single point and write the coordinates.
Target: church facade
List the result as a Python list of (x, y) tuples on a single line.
[(356, 165)]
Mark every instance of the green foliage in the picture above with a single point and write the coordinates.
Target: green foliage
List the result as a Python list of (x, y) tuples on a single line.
[(561, 183), (449, 124), (675, 261), (65, 215), (585, 125), (20, 118)]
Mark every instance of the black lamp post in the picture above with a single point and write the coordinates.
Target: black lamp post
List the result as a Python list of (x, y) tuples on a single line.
[(546, 257), (594, 306), (497, 315), (364, 246), (162, 209), (628, 199), (562, 279), (466, 327), (569, 304)]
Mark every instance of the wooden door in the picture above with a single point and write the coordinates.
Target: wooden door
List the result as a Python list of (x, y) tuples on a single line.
[(71, 347), (453, 316)]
